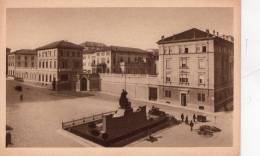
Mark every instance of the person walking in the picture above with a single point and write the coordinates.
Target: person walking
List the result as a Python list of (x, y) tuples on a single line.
[(194, 118), (21, 97), (187, 120), (191, 125), (182, 117)]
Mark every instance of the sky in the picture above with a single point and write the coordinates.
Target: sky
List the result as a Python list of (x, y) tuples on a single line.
[(29, 28)]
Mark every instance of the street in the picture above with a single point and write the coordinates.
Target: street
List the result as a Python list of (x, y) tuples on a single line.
[(37, 119)]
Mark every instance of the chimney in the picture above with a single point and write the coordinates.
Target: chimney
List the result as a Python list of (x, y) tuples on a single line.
[(207, 31), (217, 33), (214, 32), (162, 37), (223, 36)]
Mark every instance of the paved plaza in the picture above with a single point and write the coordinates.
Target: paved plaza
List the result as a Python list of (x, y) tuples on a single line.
[(37, 120)]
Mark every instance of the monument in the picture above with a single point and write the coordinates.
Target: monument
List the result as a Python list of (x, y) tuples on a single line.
[(120, 127)]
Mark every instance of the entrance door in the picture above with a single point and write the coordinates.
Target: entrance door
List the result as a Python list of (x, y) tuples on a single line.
[(183, 99), (83, 84), (152, 93)]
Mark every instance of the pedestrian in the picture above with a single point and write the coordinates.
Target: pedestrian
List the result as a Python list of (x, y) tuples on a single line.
[(191, 125), (187, 120), (54, 84), (194, 118), (21, 97), (182, 117)]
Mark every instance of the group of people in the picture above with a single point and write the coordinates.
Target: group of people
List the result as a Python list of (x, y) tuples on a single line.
[(192, 121)]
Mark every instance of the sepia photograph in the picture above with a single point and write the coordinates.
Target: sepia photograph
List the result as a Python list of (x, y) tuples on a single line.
[(116, 77)]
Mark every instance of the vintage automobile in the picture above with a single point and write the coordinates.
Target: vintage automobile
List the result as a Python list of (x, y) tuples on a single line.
[(208, 130)]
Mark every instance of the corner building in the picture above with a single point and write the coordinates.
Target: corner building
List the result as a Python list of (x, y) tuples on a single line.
[(59, 61), (196, 70)]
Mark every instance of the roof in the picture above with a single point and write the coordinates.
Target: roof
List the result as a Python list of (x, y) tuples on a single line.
[(25, 52), (92, 44), (188, 35), (95, 49), (127, 49), (60, 44)]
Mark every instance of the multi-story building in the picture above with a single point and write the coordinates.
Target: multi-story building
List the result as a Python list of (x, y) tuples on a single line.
[(8, 51), (58, 62), (196, 70), (22, 64), (109, 59)]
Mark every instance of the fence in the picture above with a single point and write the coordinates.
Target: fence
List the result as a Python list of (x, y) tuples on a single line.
[(85, 120)]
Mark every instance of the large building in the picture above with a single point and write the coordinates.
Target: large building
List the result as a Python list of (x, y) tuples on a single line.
[(196, 69), (110, 59), (55, 63), (59, 61), (8, 51), (23, 64)]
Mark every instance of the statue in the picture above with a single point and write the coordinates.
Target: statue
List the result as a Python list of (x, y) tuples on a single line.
[(123, 101)]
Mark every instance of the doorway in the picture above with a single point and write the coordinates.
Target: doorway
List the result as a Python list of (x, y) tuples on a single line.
[(152, 93), (83, 84), (183, 99)]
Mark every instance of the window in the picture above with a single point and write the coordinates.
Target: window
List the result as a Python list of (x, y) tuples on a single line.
[(32, 58), (55, 64), (168, 77), (186, 50), (107, 53), (25, 57), (76, 64), (79, 54), (50, 64), (201, 63), (98, 54), (103, 53), (46, 64), (108, 60), (61, 53), (25, 64), (183, 62), (43, 64), (204, 49), (46, 78), (167, 93), (40, 64), (73, 54), (184, 78), (39, 78), (180, 49), (103, 60), (202, 79), (50, 78), (32, 64), (201, 97), (64, 77), (197, 49), (42, 77), (18, 57), (168, 64)]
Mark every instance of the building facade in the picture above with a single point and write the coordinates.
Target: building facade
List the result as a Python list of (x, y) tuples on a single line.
[(8, 51), (23, 64), (58, 63), (109, 59), (196, 70)]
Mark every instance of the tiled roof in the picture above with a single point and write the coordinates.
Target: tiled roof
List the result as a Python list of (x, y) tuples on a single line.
[(191, 34), (92, 44), (25, 52), (60, 44), (126, 49)]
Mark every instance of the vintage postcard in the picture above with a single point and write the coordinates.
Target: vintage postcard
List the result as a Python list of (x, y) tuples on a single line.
[(164, 76)]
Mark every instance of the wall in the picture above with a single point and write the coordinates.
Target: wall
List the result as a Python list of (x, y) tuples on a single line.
[(136, 85)]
